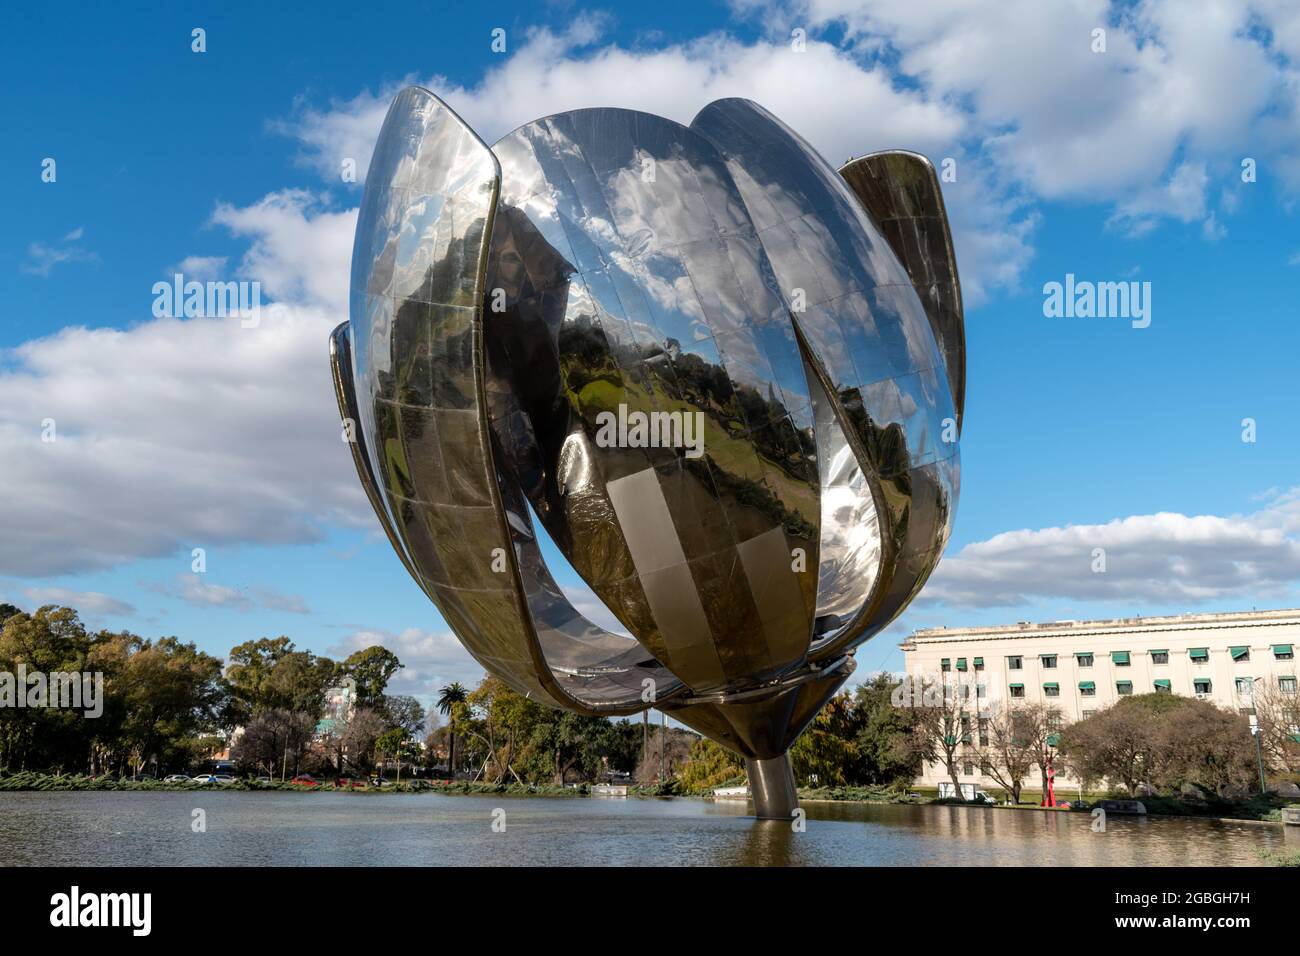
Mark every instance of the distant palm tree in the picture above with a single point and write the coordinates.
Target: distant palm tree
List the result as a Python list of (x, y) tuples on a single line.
[(454, 693)]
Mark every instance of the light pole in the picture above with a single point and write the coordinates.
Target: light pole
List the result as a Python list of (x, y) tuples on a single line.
[(1257, 732)]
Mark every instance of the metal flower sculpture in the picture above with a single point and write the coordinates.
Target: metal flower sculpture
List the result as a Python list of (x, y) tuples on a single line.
[(726, 379)]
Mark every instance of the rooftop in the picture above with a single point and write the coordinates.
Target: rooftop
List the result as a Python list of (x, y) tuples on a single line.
[(1172, 622)]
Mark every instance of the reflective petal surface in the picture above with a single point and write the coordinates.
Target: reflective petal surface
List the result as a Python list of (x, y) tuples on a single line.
[(725, 377)]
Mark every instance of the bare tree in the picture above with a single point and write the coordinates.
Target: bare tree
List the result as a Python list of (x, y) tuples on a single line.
[(1278, 713), (274, 741), (1017, 743), (942, 716)]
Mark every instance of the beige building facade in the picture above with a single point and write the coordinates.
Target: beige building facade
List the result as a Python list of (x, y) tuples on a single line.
[(1084, 666)]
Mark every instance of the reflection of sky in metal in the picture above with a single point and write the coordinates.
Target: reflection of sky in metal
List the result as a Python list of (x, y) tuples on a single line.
[(671, 292)]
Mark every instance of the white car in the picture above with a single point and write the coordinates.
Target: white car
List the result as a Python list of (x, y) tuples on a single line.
[(214, 778), (176, 778)]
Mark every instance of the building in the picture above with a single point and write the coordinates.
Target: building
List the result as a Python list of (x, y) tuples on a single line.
[(340, 704), (1084, 666)]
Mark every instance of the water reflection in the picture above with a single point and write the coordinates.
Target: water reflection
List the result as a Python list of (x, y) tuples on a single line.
[(288, 829)]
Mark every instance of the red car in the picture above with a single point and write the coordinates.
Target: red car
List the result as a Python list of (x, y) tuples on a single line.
[(305, 780)]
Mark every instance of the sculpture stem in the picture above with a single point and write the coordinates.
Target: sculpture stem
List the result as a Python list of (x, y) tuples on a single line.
[(771, 783)]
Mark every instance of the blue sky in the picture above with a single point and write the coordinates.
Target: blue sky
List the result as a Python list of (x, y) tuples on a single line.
[(1123, 165)]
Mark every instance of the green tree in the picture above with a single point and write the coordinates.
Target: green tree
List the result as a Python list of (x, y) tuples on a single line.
[(450, 700), (710, 765), (884, 757), (271, 674), (371, 668)]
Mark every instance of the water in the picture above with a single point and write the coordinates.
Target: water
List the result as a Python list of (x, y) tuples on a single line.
[(341, 829)]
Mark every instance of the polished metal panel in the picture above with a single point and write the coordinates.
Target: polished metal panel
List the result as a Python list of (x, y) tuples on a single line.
[(901, 191), (792, 339)]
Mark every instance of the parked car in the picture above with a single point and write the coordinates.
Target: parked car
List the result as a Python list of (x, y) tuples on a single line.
[(305, 780), (224, 778), (176, 778), (205, 778)]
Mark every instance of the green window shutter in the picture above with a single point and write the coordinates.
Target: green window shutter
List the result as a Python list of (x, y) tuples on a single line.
[(1199, 653), (1087, 685), (1119, 657), (1123, 687), (1047, 657), (1158, 650), (1282, 650), (1053, 740), (1083, 653), (1052, 684), (979, 662), (961, 663), (1201, 685), (1240, 653), (1164, 685), (1016, 685)]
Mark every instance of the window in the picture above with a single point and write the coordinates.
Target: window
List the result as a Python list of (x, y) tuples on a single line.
[(981, 691), (1087, 688), (1088, 713), (1164, 687), (1239, 654), (1199, 655), (1245, 685), (1286, 685), (961, 664), (1083, 658), (984, 731), (1283, 652), (1047, 660), (1124, 687), (968, 768), (945, 665), (1017, 690), (1051, 690), (979, 663), (1119, 658), (1054, 723), (1015, 663), (985, 766), (965, 729), (1160, 657), (1201, 685)]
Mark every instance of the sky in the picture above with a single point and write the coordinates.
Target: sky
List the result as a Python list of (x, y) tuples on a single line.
[(1171, 157)]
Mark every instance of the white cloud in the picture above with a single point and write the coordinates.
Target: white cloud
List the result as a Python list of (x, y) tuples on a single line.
[(42, 257), (175, 433), (196, 592), (92, 602), (200, 268), (1160, 558)]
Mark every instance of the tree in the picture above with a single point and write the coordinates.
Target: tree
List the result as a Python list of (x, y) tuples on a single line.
[(1278, 713), (883, 733), (710, 765), (450, 698), (404, 712), (940, 721), (371, 668), (1017, 742), (359, 735), (270, 674), (274, 742), (823, 751)]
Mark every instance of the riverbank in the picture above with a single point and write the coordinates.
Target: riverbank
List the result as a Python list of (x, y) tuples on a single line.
[(1255, 810)]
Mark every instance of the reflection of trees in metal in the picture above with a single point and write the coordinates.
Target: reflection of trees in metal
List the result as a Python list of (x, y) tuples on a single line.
[(504, 298)]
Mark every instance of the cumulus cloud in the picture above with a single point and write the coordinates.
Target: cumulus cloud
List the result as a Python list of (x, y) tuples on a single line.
[(122, 444), (1178, 85), (431, 659), (1163, 558)]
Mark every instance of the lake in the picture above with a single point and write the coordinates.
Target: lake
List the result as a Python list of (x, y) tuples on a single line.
[(341, 829)]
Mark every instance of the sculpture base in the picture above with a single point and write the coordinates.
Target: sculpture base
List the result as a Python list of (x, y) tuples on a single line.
[(771, 783)]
